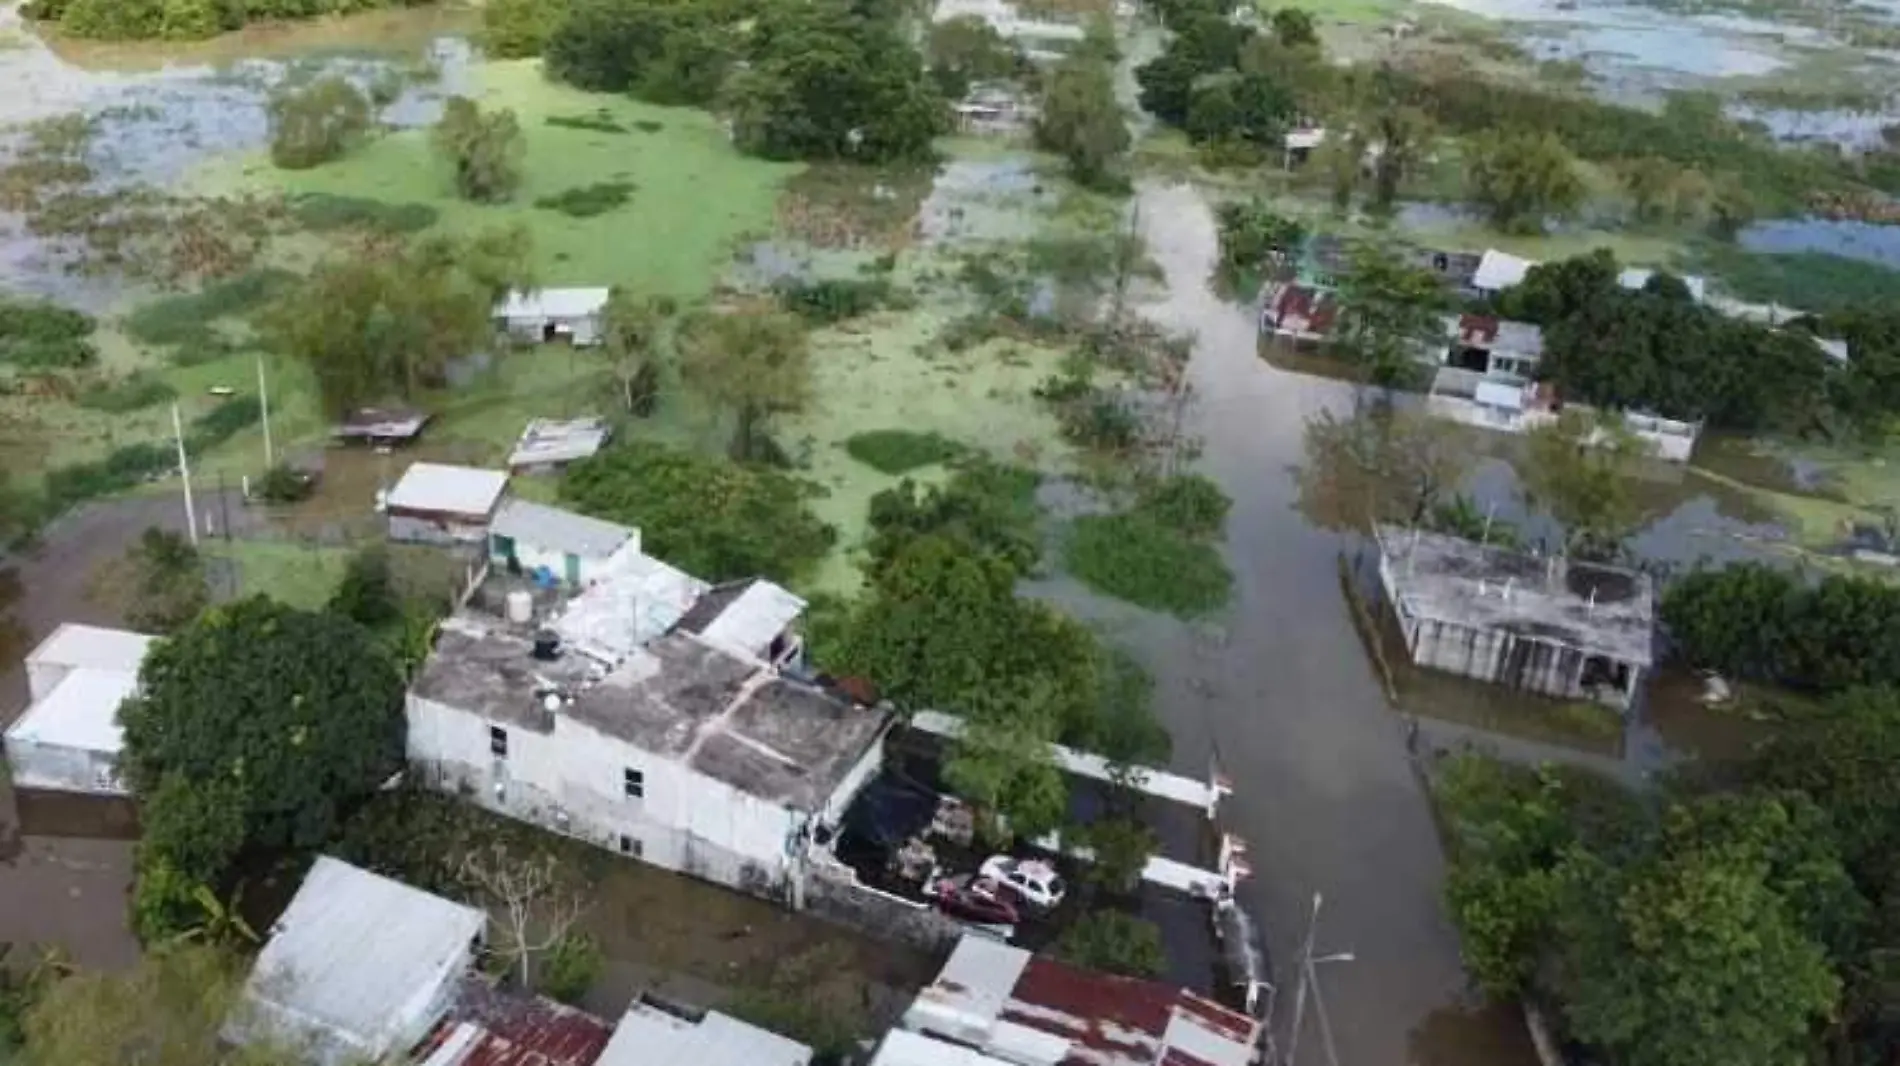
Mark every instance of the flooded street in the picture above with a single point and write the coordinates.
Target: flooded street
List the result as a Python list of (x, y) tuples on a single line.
[(1280, 690)]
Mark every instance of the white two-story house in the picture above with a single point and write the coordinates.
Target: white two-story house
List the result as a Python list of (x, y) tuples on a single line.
[(682, 748)]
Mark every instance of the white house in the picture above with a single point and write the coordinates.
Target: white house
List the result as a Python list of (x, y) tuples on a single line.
[(654, 1035), (548, 315), (436, 503), (526, 537), (68, 739), (681, 753), (358, 969)]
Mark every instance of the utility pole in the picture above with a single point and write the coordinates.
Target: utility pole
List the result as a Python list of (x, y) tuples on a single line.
[(263, 403), (1309, 977), (184, 471), (224, 507)]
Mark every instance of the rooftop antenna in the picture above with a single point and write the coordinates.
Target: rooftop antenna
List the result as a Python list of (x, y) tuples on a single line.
[(1508, 582), (1489, 513), (1591, 607)]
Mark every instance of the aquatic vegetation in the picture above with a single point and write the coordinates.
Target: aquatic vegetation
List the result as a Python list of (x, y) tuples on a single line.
[(899, 451), (1133, 557), (586, 201), (322, 212), (599, 122), (132, 393), (189, 320), (42, 336), (1812, 281)]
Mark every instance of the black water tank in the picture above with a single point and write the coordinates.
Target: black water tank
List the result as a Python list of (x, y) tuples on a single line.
[(547, 646)]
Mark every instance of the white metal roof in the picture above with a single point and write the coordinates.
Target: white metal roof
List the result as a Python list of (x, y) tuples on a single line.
[(547, 440), (1306, 138), (556, 529), (81, 712), (638, 599), (1500, 394), (750, 623), (457, 490), (650, 1037), (1500, 270), (346, 960), (77, 644), (552, 303), (904, 1048)]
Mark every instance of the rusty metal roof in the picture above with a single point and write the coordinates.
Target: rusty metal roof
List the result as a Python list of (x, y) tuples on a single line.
[(488, 1027)]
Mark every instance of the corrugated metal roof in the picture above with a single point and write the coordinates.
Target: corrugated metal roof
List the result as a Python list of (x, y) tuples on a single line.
[(1500, 270), (440, 487), (489, 1027), (559, 530), (552, 303), (78, 644), (349, 954), (546, 440), (903, 1048), (650, 1037), (749, 624), (639, 599), (81, 712)]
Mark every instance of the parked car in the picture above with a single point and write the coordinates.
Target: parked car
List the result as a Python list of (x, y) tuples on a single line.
[(975, 899), (1033, 881)]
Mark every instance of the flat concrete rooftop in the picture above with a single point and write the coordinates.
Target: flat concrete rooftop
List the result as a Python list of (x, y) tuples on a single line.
[(1597, 609)]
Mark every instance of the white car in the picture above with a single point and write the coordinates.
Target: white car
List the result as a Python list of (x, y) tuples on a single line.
[(1033, 881)]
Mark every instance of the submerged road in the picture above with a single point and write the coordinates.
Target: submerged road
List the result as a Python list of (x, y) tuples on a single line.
[(1280, 687)]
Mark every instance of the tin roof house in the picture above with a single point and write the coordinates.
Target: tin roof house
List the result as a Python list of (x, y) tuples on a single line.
[(546, 316), (69, 739), (438, 503)]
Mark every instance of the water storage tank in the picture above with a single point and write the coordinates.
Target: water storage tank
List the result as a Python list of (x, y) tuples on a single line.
[(520, 606)]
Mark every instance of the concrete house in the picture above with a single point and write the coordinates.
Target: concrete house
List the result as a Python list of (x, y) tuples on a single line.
[(533, 538), (1555, 626), (543, 316), (68, 739), (1495, 347), (358, 969), (436, 503), (669, 748)]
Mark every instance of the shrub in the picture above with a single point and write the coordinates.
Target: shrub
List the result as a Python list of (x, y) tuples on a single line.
[(586, 201), (132, 393), (570, 968), (37, 335), (366, 594), (325, 211), (986, 507), (827, 300), (1189, 504), (899, 451), (485, 149), (1114, 942), (187, 320), (1132, 557), (284, 484), (601, 121), (1101, 423), (317, 123)]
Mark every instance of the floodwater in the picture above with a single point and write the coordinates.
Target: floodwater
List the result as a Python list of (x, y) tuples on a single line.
[(1620, 41), (1864, 241)]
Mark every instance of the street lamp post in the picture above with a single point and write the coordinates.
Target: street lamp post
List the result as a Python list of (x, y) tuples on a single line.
[(1309, 977)]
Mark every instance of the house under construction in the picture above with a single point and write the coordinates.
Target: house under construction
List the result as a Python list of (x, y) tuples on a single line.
[(1549, 625)]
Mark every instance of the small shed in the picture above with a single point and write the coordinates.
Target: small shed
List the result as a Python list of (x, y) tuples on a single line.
[(68, 739), (544, 316), (380, 426), (752, 617), (660, 1034), (527, 537), (436, 503), (1498, 271), (549, 444), (358, 969)]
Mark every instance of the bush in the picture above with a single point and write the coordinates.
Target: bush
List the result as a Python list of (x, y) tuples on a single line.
[(586, 201), (284, 484), (1101, 423), (1189, 504), (1251, 233), (37, 335), (601, 121), (987, 507), (317, 123), (1132, 557), (135, 464), (829, 300), (322, 212), (570, 968), (1113, 942), (899, 451), (366, 594), (187, 320), (714, 519), (485, 149)]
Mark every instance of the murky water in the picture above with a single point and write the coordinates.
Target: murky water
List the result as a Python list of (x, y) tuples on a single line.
[(1865, 241)]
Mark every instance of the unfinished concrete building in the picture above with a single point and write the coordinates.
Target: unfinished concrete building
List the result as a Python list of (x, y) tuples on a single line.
[(1554, 626)]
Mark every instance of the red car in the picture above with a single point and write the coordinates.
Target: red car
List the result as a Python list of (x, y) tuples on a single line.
[(978, 900)]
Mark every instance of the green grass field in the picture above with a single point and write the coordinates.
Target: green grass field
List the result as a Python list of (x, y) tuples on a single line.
[(297, 574)]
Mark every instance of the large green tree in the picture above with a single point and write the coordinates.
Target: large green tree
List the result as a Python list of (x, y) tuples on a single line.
[(754, 362), (383, 322), (965, 51), (715, 519), (1755, 622), (1522, 179), (316, 123), (1379, 464), (1391, 318), (1578, 469), (1081, 120), (294, 714), (822, 81), (485, 150), (665, 51)]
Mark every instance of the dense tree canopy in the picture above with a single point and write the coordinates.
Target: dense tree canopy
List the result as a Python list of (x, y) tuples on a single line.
[(753, 362), (383, 322), (665, 51), (1578, 470), (1523, 179), (296, 713), (1756, 622), (1392, 311), (1230, 84), (965, 51), (316, 123), (822, 81), (716, 520)]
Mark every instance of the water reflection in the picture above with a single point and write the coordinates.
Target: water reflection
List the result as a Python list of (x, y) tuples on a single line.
[(1865, 241)]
